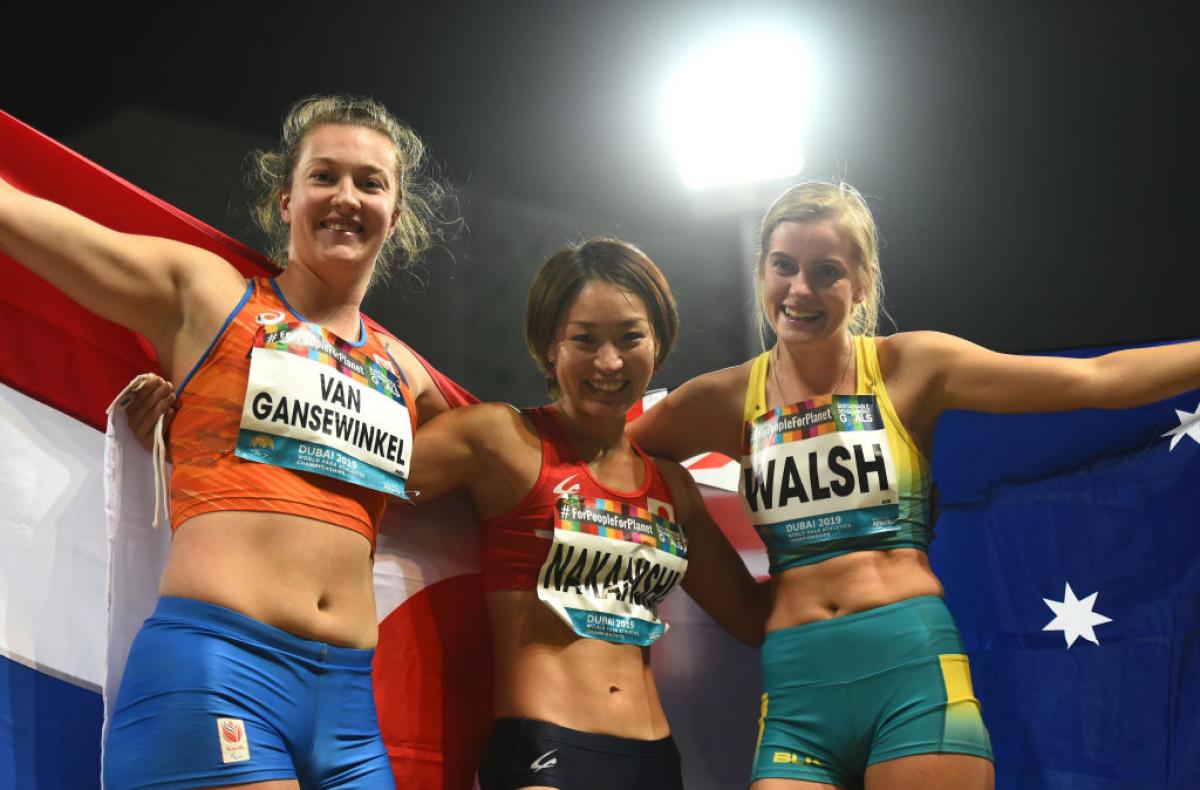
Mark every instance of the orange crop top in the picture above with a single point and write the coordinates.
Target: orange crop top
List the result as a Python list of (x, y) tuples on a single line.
[(206, 475), (514, 544)]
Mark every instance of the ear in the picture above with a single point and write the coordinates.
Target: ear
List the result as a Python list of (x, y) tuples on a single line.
[(285, 206), (395, 219)]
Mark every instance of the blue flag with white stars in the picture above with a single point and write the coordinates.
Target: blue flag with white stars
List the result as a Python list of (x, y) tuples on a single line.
[(1069, 546)]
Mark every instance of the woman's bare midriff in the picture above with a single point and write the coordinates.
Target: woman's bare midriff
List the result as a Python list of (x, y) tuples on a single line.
[(544, 671), (305, 577), (849, 583)]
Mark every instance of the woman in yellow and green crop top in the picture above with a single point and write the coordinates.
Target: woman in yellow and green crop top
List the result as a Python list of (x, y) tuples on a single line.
[(864, 676)]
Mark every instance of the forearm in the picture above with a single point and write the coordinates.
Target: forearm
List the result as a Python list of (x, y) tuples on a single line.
[(1134, 377)]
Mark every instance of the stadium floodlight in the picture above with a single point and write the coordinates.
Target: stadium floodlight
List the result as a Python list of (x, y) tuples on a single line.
[(734, 112)]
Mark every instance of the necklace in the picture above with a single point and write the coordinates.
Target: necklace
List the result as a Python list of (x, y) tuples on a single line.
[(779, 387)]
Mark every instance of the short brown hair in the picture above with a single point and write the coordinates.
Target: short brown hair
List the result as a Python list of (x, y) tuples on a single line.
[(420, 196), (563, 276)]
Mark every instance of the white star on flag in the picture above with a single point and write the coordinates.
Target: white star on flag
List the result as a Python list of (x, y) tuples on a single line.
[(1189, 425), (1074, 617)]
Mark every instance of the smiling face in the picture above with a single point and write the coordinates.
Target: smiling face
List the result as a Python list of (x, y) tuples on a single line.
[(604, 352), (341, 205), (811, 281)]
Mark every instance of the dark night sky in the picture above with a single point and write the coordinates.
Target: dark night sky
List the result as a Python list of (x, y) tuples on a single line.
[(1033, 165)]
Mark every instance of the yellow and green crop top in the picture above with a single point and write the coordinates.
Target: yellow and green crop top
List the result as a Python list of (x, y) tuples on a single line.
[(834, 474)]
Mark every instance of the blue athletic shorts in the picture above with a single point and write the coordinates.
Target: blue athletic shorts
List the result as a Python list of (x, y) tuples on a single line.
[(211, 697), (845, 693)]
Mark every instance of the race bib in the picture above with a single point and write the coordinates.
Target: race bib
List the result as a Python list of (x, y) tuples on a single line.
[(315, 403), (818, 471), (608, 568)]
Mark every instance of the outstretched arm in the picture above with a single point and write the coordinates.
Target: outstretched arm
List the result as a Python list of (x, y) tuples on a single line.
[(716, 577), (150, 285), (962, 375)]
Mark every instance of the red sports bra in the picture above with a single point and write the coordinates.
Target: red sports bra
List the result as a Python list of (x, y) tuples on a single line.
[(514, 544)]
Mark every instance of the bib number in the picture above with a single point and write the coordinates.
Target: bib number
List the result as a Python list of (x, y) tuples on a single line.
[(608, 568), (314, 403), (819, 471)]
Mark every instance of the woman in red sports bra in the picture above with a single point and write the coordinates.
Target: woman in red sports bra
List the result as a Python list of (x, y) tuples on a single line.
[(584, 534), (283, 390)]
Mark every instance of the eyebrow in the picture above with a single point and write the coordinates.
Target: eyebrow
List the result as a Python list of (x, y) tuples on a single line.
[(326, 160), (626, 322)]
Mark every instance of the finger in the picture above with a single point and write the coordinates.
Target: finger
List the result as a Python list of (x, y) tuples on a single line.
[(143, 420), (148, 402), (142, 396)]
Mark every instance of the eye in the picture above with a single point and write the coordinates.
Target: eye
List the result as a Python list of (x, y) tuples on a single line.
[(784, 266), (374, 184), (633, 337), (828, 272), (321, 176), (583, 339)]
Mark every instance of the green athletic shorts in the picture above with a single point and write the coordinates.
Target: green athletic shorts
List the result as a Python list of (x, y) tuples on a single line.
[(845, 693)]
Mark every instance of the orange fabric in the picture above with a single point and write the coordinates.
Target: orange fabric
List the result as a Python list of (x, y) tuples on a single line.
[(511, 548), (206, 475)]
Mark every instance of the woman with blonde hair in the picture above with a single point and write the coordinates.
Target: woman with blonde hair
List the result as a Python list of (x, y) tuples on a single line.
[(294, 425), (864, 674)]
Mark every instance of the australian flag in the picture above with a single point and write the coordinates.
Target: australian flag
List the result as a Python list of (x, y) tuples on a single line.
[(1069, 546)]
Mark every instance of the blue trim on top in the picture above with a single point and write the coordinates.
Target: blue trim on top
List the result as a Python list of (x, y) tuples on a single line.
[(216, 338), (362, 329), (399, 370)]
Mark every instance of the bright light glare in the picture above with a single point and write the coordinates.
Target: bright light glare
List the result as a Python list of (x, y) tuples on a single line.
[(735, 111)]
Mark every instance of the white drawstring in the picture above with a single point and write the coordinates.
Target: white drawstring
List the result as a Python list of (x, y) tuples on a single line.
[(162, 494)]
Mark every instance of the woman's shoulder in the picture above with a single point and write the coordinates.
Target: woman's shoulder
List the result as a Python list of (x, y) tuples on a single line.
[(720, 384), (909, 350)]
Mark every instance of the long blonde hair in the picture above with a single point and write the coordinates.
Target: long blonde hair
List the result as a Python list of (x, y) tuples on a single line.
[(813, 201)]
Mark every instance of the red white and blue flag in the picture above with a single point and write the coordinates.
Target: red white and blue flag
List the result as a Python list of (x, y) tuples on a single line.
[(64, 589)]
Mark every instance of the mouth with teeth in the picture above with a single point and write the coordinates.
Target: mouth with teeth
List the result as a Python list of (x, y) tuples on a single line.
[(800, 315), (341, 227), (607, 387)]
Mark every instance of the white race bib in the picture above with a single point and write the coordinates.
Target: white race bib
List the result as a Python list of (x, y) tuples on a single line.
[(609, 566), (818, 471), (315, 403)]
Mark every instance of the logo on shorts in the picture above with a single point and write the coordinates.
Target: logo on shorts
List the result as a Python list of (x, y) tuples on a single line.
[(789, 757), (235, 747), (546, 760), (273, 317)]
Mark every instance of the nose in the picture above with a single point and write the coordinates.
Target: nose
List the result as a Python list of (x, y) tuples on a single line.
[(345, 197), (800, 285), (608, 359)]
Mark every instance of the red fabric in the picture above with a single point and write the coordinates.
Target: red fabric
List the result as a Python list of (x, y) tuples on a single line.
[(87, 359), (433, 685)]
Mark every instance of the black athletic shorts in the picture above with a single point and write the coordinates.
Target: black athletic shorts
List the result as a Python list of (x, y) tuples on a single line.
[(524, 752)]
